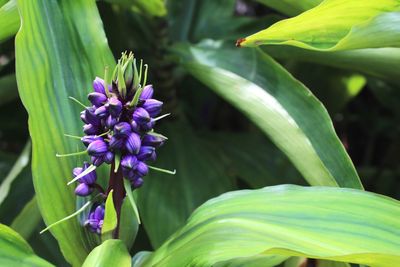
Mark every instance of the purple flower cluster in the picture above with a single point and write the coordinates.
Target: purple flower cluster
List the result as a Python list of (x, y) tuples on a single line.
[(118, 131)]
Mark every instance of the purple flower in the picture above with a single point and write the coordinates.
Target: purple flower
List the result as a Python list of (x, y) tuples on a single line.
[(101, 112), (134, 126), (152, 140), (97, 148), (122, 129), (116, 142), (115, 106), (152, 106), (147, 126), (89, 178), (98, 85), (142, 169), (97, 161), (95, 219), (90, 129), (129, 162), (87, 139), (89, 117), (83, 190), (110, 121), (147, 92), (97, 99), (141, 116), (146, 153), (138, 182), (108, 157), (133, 143)]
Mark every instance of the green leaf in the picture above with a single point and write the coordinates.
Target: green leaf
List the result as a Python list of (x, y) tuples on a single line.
[(281, 106), (151, 7), (170, 199), (9, 20), (28, 219), (15, 251), (382, 63), (8, 88), (111, 253), (60, 48), (290, 7), (336, 25), (129, 194), (20, 164), (338, 224), (129, 224), (110, 218)]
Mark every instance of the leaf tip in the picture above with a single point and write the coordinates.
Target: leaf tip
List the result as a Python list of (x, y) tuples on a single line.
[(240, 41)]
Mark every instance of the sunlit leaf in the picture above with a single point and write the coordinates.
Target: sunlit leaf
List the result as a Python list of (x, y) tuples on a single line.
[(291, 7), (15, 251), (336, 25), (318, 222), (282, 107), (60, 48), (9, 20), (111, 253)]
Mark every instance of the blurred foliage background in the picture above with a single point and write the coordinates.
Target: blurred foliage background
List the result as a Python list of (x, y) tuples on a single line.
[(364, 110)]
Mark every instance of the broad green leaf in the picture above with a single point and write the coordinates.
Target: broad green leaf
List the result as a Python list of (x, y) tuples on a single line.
[(9, 20), (281, 106), (60, 48), (290, 7), (336, 25), (166, 201), (261, 260), (140, 257), (383, 63), (8, 88), (19, 165), (28, 219), (110, 253), (338, 224), (110, 218), (129, 225), (15, 251)]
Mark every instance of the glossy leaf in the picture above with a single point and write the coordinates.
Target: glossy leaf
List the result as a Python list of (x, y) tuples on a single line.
[(282, 107), (110, 253), (15, 251), (9, 20), (110, 218), (28, 219), (290, 7), (19, 165), (383, 63), (129, 224), (316, 222), (170, 199), (336, 25), (60, 48)]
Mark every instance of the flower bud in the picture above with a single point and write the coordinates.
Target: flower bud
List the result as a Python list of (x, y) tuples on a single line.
[(129, 162), (138, 182), (101, 112), (147, 92), (98, 85), (147, 126), (152, 106), (110, 121), (90, 129), (133, 143), (97, 99), (89, 117), (97, 161), (97, 148), (108, 157), (83, 190), (152, 140), (116, 142), (141, 116), (76, 171), (142, 169), (115, 106), (95, 219), (87, 139), (146, 152), (122, 129), (134, 126)]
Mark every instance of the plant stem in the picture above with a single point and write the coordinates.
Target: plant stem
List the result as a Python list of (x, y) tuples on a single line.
[(117, 184)]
